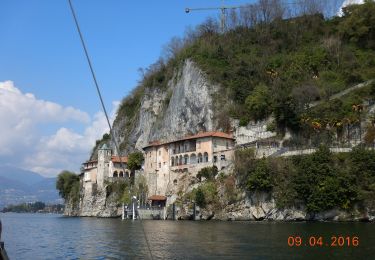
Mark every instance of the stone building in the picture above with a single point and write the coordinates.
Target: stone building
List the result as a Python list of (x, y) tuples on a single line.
[(166, 162), (106, 167)]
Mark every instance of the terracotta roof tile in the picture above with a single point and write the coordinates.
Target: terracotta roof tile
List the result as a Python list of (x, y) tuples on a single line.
[(116, 159), (157, 197)]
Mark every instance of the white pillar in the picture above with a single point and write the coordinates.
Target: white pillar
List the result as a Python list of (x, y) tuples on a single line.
[(134, 198)]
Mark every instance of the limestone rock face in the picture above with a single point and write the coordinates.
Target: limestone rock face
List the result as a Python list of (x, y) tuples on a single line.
[(190, 109), (261, 206), (185, 107), (94, 203)]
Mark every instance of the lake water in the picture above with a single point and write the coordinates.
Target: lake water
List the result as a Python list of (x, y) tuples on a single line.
[(38, 236)]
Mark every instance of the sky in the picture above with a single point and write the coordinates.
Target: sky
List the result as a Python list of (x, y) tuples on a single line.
[(50, 114)]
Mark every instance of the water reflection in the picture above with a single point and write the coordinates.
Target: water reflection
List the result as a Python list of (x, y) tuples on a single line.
[(33, 236)]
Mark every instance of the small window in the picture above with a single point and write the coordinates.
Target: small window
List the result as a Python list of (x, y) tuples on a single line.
[(159, 165), (222, 157), (215, 158), (175, 181)]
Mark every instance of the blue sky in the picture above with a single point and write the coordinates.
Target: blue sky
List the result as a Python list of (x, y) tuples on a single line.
[(48, 102), (49, 110), (43, 55)]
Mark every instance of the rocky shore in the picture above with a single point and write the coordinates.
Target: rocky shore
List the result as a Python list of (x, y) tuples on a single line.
[(262, 207)]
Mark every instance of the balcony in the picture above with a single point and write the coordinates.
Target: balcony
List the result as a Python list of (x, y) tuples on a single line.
[(175, 151)]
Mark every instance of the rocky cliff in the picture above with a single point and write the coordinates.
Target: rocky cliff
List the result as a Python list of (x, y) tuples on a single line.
[(258, 206), (184, 107), (94, 202)]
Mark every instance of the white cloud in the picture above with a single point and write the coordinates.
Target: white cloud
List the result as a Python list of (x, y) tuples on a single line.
[(21, 113), (349, 2), (23, 144), (66, 149)]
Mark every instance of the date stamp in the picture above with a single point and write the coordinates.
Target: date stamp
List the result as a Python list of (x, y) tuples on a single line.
[(319, 241)]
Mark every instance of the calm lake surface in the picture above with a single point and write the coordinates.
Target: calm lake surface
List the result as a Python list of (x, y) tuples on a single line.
[(38, 236)]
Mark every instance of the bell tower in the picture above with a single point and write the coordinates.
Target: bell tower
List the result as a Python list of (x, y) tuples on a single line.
[(104, 157)]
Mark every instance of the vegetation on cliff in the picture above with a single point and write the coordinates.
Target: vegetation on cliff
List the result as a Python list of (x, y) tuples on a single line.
[(67, 184), (271, 60), (320, 181), (280, 67)]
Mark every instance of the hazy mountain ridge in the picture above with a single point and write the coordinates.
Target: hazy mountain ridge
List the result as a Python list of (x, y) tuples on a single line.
[(18, 186)]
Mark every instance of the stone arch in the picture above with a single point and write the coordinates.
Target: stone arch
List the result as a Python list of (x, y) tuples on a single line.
[(205, 156), (193, 158), (115, 174), (200, 159), (186, 159), (121, 174)]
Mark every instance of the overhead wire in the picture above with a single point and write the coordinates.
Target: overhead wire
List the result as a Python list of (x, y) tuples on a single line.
[(102, 104)]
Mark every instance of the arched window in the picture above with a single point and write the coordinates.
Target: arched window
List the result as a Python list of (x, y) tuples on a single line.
[(186, 159), (200, 158), (175, 181), (176, 161), (205, 157), (172, 161), (193, 158), (115, 174), (121, 174)]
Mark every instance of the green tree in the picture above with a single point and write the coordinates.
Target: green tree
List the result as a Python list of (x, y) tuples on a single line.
[(200, 198), (358, 25), (260, 179), (258, 104), (135, 161), (363, 168), (67, 184), (323, 184)]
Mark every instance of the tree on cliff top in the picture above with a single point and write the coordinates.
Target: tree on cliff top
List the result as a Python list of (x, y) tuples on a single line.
[(67, 184)]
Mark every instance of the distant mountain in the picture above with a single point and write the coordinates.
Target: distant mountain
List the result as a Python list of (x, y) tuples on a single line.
[(6, 183), (18, 186), (20, 175)]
